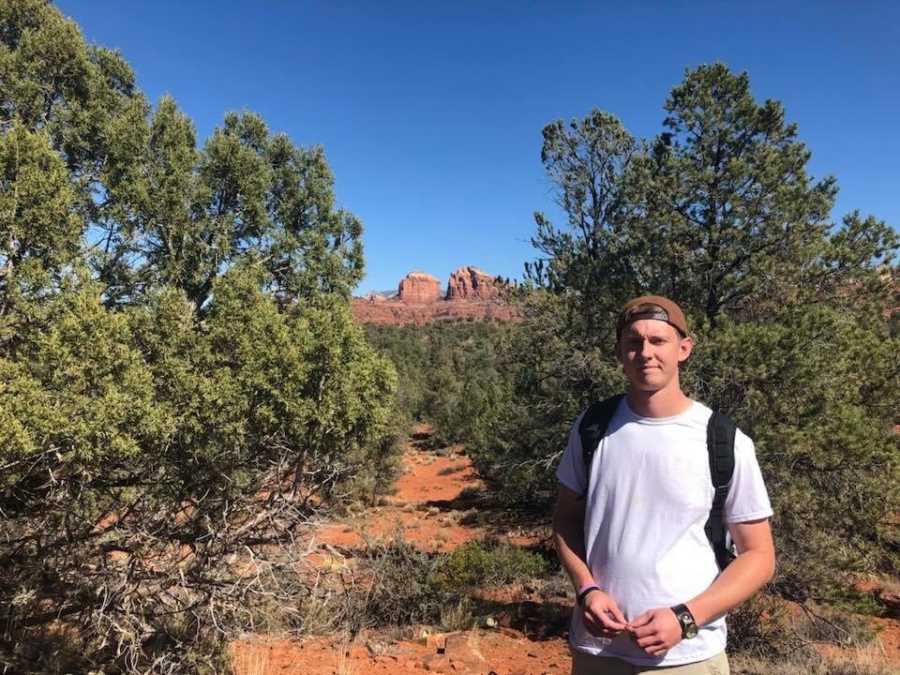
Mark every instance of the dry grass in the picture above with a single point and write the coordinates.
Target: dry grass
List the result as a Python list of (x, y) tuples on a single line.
[(868, 660), (344, 665), (458, 616), (449, 470), (252, 661)]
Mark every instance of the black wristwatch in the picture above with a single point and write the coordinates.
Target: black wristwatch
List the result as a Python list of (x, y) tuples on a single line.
[(686, 619)]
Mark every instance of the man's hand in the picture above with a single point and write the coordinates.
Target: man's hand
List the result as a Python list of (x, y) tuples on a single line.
[(656, 631), (602, 616)]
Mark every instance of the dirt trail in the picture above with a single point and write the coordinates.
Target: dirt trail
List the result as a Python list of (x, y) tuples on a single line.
[(433, 507)]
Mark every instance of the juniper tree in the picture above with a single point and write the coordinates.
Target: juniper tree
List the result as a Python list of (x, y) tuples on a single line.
[(790, 310), (723, 214), (83, 97), (175, 339)]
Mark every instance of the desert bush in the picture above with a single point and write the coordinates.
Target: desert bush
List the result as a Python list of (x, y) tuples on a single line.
[(478, 564), (180, 376), (768, 627), (398, 588), (398, 585), (136, 434), (761, 627)]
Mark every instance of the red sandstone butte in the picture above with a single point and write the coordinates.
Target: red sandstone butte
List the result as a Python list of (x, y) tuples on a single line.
[(471, 294), (469, 283), (419, 288)]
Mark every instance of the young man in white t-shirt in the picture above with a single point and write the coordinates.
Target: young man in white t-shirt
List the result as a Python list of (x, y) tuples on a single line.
[(630, 530)]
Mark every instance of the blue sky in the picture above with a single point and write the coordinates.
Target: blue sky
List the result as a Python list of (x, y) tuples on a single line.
[(431, 113)]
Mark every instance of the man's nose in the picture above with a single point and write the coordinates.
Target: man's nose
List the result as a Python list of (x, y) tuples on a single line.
[(646, 348)]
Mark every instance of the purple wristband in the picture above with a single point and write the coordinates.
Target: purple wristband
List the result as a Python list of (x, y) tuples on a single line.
[(584, 587), (584, 592)]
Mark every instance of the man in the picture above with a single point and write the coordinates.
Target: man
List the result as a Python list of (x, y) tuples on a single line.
[(629, 529)]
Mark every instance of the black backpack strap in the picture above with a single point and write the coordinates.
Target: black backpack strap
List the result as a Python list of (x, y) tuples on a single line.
[(593, 428), (720, 433)]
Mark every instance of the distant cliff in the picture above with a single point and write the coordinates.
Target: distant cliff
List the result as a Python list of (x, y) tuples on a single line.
[(470, 283), (471, 294)]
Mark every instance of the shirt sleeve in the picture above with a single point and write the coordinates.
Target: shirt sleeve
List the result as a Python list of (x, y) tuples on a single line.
[(571, 471), (747, 497)]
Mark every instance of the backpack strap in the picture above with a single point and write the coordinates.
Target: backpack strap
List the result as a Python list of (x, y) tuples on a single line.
[(593, 427), (720, 433)]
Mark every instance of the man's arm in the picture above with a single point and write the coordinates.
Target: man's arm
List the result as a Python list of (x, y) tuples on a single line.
[(600, 612), (657, 630), (750, 571)]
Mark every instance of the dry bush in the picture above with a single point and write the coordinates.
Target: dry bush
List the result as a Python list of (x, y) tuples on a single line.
[(396, 587), (160, 592)]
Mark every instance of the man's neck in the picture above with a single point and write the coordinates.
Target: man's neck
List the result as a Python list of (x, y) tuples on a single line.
[(661, 403)]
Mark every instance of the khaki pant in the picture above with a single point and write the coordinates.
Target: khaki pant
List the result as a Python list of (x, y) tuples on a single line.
[(588, 664)]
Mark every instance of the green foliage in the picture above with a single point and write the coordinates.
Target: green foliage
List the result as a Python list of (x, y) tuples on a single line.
[(246, 196), (449, 375), (39, 229), (399, 589), (82, 97), (791, 315), (180, 375), (401, 586), (737, 221), (817, 392), (476, 564), (408, 350)]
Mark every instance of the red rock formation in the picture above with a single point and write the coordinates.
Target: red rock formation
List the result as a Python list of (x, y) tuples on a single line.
[(471, 295), (419, 288), (470, 283), (393, 312)]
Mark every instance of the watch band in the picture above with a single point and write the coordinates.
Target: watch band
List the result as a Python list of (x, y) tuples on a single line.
[(686, 620)]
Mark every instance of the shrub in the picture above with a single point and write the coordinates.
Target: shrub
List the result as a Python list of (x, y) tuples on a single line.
[(398, 588), (477, 564), (180, 375)]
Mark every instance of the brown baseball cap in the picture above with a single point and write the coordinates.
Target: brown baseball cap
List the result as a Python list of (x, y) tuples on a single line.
[(652, 307)]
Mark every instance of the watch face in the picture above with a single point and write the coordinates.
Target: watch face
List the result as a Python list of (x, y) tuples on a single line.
[(688, 627)]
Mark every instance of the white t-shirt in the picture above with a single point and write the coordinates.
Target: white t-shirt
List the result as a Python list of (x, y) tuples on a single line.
[(648, 500)]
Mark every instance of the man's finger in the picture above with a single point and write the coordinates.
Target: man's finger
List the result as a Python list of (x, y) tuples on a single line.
[(597, 629), (643, 631), (617, 615), (642, 620), (609, 622), (649, 641)]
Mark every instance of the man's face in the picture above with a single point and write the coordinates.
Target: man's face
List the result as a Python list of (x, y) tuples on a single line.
[(650, 351)]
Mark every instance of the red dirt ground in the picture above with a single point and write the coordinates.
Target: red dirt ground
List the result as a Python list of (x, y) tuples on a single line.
[(422, 508), (429, 508), (432, 508), (504, 652)]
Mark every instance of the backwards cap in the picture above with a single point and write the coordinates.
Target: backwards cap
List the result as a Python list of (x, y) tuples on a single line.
[(652, 307)]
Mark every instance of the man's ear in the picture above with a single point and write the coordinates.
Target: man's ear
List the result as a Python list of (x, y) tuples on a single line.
[(685, 349)]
